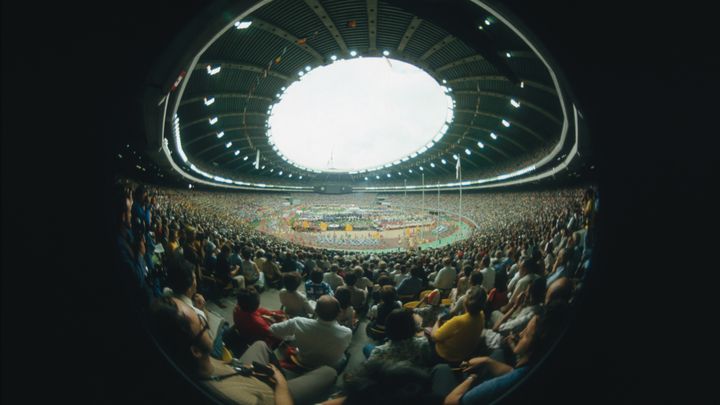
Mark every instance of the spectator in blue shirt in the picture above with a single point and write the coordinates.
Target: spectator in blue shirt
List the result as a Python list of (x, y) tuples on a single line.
[(411, 286), (316, 287)]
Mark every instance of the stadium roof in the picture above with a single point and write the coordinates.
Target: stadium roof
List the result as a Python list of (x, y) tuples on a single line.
[(513, 114)]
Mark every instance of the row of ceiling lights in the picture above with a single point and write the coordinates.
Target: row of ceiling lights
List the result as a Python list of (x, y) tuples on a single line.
[(241, 25)]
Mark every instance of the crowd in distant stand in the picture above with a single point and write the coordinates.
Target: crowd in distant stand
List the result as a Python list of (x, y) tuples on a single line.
[(457, 324)]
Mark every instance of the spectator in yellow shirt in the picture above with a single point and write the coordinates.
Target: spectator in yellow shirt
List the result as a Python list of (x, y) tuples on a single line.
[(458, 338)]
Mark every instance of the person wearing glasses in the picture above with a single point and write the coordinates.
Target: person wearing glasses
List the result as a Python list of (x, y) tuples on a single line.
[(252, 379)]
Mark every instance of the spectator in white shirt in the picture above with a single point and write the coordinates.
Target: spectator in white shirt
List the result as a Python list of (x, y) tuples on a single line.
[(294, 303), (488, 273), (332, 277), (319, 341), (445, 278)]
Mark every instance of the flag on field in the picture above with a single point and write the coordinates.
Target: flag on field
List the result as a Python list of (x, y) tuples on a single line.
[(457, 169)]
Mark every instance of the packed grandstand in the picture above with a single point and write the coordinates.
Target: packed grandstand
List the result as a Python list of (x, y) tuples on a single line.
[(357, 202), (259, 318)]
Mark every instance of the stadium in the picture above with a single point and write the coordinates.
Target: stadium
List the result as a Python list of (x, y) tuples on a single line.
[(370, 201)]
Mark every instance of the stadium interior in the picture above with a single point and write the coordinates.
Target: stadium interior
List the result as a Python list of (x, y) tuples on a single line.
[(420, 173), (348, 201)]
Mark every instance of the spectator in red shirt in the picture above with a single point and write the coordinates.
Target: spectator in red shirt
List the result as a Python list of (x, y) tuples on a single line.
[(253, 322)]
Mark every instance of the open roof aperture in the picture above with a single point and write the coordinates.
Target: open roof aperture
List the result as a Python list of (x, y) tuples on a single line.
[(359, 114)]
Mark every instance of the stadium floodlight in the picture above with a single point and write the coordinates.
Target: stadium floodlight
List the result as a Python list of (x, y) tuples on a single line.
[(423, 150), (243, 25), (432, 165), (514, 103), (405, 159), (492, 135), (353, 53), (220, 134), (399, 173), (333, 57), (481, 145), (308, 68), (213, 120), (508, 54), (300, 178), (444, 81), (228, 145), (386, 53), (468, 152), (366, 179), (522, 85), (280, 174), (506, 123), (212, 71), (443, 161), (300, 73), (421, 168), (245, 158), (388, 175), (209, 101), (272, 170), (480, 27), (282, 88), (487, 22), (237, 152), (263, 167), (455, 157), (290, 175), (377, 177), (410, 171)]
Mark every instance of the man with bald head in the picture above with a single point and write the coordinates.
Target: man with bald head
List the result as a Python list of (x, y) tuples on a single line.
[(183, 334), (321, 341)]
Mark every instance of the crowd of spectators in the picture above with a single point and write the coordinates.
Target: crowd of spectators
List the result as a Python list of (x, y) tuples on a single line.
[(460, 323)]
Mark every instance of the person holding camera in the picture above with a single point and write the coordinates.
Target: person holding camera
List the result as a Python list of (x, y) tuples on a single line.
[(251, 379)]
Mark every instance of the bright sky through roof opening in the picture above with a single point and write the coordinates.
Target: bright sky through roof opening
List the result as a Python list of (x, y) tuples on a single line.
[(358, 114)]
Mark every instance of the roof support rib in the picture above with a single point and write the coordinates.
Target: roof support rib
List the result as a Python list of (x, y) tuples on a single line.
[(437, 47), (214, 133), (191, 100), (503, 78), (472, 58), (522, 102), (237, 114), (266, 26), (414, 24), (240, 66), (372, 23), (512, 123), (318, 9)]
